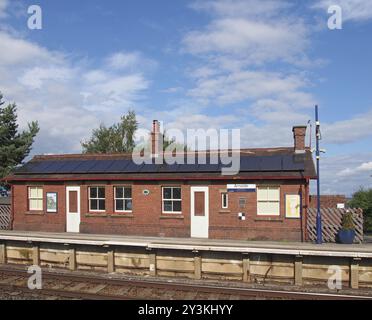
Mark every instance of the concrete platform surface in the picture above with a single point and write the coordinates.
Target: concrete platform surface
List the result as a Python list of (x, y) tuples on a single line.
[(194, 244)]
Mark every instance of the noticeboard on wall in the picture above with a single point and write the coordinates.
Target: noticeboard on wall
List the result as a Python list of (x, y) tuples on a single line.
[(51, 202), (292, 206)]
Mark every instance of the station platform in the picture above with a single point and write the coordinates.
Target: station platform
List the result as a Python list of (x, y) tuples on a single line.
[(193, 244)]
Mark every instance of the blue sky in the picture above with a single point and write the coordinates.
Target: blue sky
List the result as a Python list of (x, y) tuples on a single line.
[(255, 65)]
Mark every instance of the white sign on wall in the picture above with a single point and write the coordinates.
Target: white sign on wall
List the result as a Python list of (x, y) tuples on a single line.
[(292, 206), (241, 188)]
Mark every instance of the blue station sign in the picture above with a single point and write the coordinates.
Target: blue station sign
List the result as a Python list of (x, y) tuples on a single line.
[(241, 188)]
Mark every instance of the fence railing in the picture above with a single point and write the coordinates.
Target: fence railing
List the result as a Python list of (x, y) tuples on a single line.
[(5, 216), (331, 223)]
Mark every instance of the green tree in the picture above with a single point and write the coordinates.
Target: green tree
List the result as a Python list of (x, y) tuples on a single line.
[(363, 199), (115, 139), (14, 146)]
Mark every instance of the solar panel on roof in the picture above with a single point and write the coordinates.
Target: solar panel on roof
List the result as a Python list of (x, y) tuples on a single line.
[(272, 163), (84, 166), (290, 163), (68, 167), (101, 166), (119, 165), (249, 164), (53, 167), (208, 167), (132, 167), (150, 168)]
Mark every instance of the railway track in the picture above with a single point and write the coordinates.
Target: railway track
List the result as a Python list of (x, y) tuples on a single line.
[(68, 285)]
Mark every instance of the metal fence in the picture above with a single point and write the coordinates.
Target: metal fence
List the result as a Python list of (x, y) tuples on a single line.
[(5, 216), (331, 223)]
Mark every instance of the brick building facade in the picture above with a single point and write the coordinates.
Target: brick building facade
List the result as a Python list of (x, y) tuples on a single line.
[(266, 200)]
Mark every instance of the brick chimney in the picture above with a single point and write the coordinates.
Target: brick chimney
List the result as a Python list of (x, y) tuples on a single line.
[(155, 139), (299, 135)]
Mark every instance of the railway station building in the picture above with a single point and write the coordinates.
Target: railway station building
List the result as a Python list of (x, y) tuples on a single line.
[(110, 194)]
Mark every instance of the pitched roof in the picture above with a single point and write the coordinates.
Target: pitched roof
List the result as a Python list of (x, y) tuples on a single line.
[(267, 162)]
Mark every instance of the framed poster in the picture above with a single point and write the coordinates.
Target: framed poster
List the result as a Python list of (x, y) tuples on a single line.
[(292, 206), (51, 202)]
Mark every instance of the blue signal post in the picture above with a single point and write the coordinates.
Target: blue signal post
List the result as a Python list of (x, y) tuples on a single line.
[(319, 237)]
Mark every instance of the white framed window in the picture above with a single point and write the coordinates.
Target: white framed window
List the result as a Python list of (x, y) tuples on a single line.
[(35, 198), (172, 201), (123, 199), (224, 200), (97, 199), (268, 201)]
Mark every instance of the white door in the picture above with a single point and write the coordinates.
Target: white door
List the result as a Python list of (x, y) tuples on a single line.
[(199, 212), (73, 209)]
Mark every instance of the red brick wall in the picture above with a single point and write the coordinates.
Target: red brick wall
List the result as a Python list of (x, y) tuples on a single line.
[(147, 219), (327, 201), (39, 221)]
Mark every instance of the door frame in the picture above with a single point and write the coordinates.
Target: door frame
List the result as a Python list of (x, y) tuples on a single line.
[(73, 218), (195, 221)]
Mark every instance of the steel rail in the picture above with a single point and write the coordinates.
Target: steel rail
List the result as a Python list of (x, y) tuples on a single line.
[(178, 286)]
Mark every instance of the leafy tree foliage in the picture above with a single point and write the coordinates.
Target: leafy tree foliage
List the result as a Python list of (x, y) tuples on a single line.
[(115, 139), (14, 146), (363, 199)]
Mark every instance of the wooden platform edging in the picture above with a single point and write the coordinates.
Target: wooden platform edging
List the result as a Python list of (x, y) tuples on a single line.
[(331, 223), (234, 266)]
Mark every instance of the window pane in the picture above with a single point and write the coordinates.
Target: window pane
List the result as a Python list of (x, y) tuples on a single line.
[(33, 204), (33, 193), (262, 194), (273, 208), (224, 200), (93, 193), (39, 193), (268, 208), (93, 204), (119, 192), (101, 204), (177, 206), (40, 204), (101, 192), (167, 193), (119, 205), (128, 205), (273, 194), (176, 193), (168, 206), (128, 193)]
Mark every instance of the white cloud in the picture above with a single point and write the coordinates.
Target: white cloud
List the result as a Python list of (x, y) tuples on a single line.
[(66, 95), (19, 51), (129, 61), (343, 174), (348, 131), (238, 86), (253, 40), (353, 10), (364, 167)]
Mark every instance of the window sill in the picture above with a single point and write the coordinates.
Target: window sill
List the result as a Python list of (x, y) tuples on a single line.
[(96, 215), (224, 211), (272, 219), (35, 213), (172, 216)]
